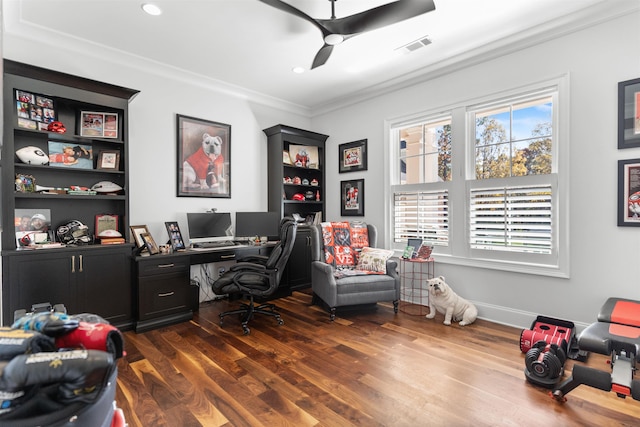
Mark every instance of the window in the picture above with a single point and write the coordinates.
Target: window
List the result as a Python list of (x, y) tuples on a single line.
[(513, 138), (424, 157), (480, 182)]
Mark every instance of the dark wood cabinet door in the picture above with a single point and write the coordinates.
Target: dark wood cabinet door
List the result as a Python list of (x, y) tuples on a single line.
[(104, 285), (298, 271), (38, 278)]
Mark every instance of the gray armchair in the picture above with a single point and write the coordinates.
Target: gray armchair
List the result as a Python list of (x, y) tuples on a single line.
[(350, 290)]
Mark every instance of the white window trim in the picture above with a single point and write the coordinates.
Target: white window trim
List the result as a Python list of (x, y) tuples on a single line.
[(458, 251)]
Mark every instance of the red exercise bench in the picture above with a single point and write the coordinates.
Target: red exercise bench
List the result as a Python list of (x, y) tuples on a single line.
[(616, 333)]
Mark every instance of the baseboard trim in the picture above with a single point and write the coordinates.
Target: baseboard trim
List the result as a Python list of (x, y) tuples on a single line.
[(516, 318)]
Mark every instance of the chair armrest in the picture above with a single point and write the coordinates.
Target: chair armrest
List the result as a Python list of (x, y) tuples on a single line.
[(392, 267), (392, 270), (256, 259), (248, 266), (323, 269), (323, 283)]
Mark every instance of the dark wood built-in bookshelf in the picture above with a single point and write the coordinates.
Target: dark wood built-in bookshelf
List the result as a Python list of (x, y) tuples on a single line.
[(87, 278)]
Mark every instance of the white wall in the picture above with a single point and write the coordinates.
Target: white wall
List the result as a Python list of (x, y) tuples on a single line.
[(152, 129), (604, 257)]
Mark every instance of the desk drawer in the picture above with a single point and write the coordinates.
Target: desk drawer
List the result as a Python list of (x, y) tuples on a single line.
[(163, 265), (163, 295)]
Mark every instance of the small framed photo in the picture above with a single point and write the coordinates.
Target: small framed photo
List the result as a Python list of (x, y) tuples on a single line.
[(109, 160), (286, 160), (175, 236), (149, 243), (32, 226), (304, 156), (25, 183), (70, 155), (629, 114), (352, 195), (106, 222), (136, 232), (353, 156), (98, 125), (34, 111), (629, 193)]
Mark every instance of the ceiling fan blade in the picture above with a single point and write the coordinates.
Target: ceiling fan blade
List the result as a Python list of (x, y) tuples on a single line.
[(322, 56), (377, 17), (296, 12)]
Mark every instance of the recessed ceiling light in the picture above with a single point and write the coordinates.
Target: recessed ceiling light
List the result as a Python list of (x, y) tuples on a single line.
[(298, 70), (152, 9)]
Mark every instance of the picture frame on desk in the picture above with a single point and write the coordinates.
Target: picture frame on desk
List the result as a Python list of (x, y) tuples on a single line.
[(204, 158), (175, 236), (149, 243), (136, 233)]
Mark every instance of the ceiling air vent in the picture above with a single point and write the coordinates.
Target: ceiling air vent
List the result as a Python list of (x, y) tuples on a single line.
[(416, 44)]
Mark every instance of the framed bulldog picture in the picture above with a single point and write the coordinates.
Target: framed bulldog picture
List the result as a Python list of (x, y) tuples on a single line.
[(204, 158)]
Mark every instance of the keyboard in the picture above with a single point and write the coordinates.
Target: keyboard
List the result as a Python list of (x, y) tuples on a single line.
[(214, 245)]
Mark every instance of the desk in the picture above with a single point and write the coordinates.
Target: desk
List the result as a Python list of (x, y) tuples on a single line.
[(163, 292), (414, 294)]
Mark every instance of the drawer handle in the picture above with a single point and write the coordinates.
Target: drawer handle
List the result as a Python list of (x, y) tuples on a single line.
[(227, 256), (166, 294), (166, 265)]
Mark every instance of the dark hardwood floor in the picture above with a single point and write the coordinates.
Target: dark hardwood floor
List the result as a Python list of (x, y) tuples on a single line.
[(368, 368)]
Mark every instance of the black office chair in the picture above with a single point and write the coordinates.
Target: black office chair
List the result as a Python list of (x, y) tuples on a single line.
[(257, 280)]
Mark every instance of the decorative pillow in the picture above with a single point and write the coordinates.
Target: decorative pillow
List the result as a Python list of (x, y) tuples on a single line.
[(374, 259)]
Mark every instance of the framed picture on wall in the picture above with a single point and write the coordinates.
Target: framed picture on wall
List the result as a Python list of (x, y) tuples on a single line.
[(629, 193), (629, 113), (204, 158), (352, 197), (353, 156)]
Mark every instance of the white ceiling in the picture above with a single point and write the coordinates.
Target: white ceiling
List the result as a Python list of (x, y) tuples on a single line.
[(253, 46)]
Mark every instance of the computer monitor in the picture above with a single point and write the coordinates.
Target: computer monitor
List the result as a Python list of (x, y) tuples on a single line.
[(209, 227), (250, 224)]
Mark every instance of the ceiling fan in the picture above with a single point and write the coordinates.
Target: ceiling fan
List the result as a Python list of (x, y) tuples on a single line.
[(336, 30)]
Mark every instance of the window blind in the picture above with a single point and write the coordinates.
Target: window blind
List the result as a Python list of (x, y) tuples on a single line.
[(517, 219), (422, 215)]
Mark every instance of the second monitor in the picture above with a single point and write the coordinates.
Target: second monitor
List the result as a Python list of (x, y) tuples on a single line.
[(251, 224)]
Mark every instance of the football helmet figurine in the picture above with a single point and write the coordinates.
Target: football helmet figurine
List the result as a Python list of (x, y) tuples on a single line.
[(56, 127), (73, 233)]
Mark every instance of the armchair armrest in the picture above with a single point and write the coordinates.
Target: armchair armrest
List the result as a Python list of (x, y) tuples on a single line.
[(323, 282)]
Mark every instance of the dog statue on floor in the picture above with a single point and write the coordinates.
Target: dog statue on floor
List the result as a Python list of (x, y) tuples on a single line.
[(443, 299)]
